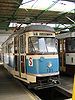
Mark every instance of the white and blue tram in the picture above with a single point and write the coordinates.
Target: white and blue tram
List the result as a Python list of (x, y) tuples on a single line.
[(31, 55)]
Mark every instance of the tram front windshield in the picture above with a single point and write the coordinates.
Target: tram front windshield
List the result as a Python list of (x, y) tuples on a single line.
[(42, 44)]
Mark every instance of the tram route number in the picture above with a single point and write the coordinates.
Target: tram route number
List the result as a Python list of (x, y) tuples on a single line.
[(30, 61)]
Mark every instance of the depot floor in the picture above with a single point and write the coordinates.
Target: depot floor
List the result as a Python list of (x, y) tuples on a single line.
[(12, 89)]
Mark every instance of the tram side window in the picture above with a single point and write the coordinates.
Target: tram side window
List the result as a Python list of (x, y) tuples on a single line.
[(70, 44), (5, 49), (10, 48), (24, 42), (21, 44), (5, 53), (73, 44), (16, 44), (2, 53), (15, 59)]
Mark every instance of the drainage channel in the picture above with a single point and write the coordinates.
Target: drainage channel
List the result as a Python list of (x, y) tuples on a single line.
[(50, 94)]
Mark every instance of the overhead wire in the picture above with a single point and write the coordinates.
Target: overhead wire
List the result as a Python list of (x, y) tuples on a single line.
[(27, 2), (35, 18), (34, 4)]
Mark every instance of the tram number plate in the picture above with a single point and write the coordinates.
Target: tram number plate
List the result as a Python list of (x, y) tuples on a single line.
[(30, 61)]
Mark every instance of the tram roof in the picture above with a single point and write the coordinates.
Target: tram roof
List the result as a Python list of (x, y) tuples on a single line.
[(39, 28), (65, 35)]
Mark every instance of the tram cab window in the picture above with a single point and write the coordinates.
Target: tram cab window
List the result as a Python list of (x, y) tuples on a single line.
[(42, 45), (33, 44), (51, 44)]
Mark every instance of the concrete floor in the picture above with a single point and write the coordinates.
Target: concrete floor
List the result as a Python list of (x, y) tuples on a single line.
[(66, 85), (12, 89)]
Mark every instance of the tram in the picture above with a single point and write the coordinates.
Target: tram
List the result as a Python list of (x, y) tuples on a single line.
[(67, 52), (31, 55)]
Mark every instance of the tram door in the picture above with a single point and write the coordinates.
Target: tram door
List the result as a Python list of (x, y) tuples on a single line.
[(22, 55), (16, 56)]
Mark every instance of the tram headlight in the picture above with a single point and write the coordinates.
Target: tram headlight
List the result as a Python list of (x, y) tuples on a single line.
[(49, 64)]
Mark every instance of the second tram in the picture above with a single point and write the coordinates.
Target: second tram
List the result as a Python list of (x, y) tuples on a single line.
[(67, 52)]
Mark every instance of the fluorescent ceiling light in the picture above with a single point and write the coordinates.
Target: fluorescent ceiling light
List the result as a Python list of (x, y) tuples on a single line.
[(59, 25), (16, 24)]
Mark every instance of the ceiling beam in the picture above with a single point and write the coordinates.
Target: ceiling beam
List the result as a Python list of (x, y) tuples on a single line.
[(13, 15), (36, 17)]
